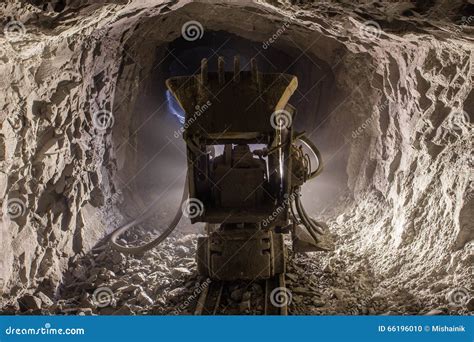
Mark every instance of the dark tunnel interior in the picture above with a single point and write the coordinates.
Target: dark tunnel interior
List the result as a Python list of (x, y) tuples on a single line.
[(159, 152), (101, 170)]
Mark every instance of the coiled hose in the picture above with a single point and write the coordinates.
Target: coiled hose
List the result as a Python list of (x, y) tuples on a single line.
[(309, 144), (146, 214), (311, 225)]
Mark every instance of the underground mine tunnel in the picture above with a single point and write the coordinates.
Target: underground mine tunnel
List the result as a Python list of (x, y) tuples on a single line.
[(102, 105)]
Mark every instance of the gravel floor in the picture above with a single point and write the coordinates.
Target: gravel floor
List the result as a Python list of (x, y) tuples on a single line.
[(164, 281)]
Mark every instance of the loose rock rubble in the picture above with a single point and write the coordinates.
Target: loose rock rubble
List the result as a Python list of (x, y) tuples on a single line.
[(164, 281), (341, 282), (139, 284), (406, 234)]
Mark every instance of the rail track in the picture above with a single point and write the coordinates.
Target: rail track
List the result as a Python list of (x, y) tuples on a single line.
[(273, 299)]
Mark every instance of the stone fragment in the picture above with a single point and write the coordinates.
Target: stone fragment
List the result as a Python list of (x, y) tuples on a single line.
[(124, 310), (182, 251), (144, 299), (236, 295), (29, 302), (180, 271), (434, 312), (45, 300), (470, 304)]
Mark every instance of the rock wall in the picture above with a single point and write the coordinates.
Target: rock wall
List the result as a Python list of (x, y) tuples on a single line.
[(402, 128)]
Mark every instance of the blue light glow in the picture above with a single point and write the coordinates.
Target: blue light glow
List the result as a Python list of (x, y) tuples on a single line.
[(174, 107)]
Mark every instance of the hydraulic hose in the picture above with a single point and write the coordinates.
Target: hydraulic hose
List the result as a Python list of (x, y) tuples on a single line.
[(146, 214), (316, 153), (312, 229), (311, 221)]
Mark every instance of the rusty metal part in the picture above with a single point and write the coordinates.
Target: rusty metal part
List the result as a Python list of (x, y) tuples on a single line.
[(274, 287), (209, 299), (303, 242), (236, 76), (246, 193), (241, 254)]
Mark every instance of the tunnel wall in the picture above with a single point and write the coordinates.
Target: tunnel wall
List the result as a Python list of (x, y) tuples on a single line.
[(407, 203)]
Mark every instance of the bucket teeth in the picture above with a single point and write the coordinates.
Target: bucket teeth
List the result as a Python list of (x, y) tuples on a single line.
[(220, 70), (254, 70), (203, 78), (236, 68)]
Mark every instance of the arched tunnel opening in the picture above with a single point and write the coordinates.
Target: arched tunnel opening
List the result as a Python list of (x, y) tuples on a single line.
[(157, 153), (91, 112)]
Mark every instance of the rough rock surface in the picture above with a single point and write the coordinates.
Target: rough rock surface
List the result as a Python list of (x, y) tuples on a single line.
[(404, 124), (165, 282)]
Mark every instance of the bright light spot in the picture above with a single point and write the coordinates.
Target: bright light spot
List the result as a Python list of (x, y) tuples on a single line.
[(174, 107)]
